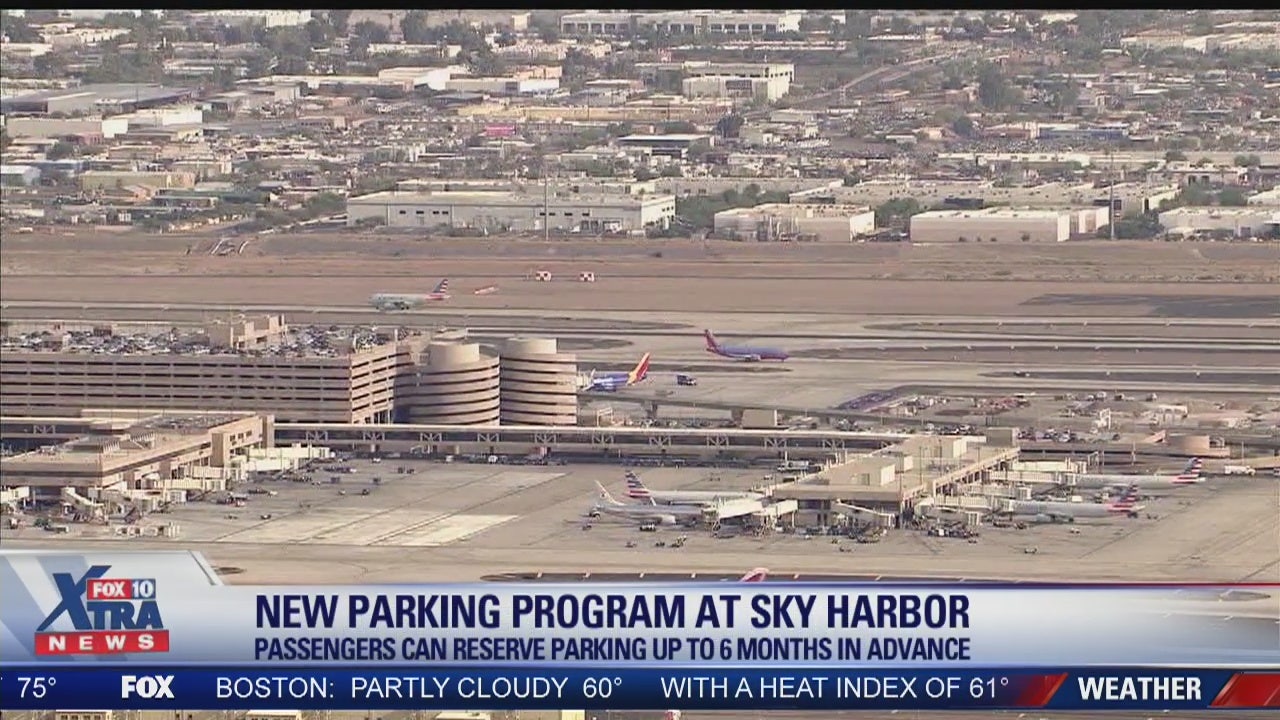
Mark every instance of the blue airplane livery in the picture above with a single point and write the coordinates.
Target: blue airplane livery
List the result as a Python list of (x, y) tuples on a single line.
[(610, 381), (742, 352)]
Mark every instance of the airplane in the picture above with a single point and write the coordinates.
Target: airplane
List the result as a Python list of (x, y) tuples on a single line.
[(1189, 475), (396, 301), (1061, 511), (610, 381), (636, 490), (742, 352), (645, 513), (757, 575)]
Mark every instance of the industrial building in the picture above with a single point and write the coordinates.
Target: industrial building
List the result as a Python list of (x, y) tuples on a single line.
[(248, 365), (457, 384), (112, 98), (781, 221), (144, 459), (19, 175), (50, 127), (702, 79), (992, 224), (1254, 221), (539, 383), (686, 22), (514, 211), (1131, 198), (503, 85)]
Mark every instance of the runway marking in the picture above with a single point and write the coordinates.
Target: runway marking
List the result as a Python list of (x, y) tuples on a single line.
[(370, 530), (294, 528), (446, 531)]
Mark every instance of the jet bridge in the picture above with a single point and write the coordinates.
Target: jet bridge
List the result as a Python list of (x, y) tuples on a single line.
[(740, 507), (865, 514)]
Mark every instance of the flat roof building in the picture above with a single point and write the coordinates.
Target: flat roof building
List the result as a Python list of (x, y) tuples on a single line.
[(1257, 221), (992, 224), (150, 452), (312, 374), (514, 211), (781, 221), (106, 98), (682, 22)]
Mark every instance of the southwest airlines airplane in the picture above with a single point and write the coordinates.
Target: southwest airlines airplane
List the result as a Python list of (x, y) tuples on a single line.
[(397, 301), (610, 381), (744, 353)]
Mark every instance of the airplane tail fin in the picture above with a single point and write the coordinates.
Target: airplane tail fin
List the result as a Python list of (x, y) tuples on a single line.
[(712, 344), (636, 488), (757, 575), (640, 371), (605, 495), (1192, 469), (442, 287)]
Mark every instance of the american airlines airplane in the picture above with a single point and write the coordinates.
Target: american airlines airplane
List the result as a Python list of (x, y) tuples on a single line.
[(744, 353), (1061, 511), (397, 301), (646, 513), (610, 381), (636, 490), (1190, 475)]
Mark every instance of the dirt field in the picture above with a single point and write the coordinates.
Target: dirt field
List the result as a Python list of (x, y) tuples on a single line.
[(1093, 279)]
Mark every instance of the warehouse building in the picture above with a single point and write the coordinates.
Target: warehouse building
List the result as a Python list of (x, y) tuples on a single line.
[(457, 384), (992, 224), (1130, 198), (514, 211), (781, 221), (1256, 221), (539, 383), (252, 365), (112, 98), (687, 22)]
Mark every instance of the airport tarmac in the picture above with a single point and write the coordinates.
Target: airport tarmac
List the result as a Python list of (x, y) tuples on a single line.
[(463, 522)]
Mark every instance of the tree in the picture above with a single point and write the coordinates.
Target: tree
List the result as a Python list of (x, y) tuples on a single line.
[(1248, 161), (679, 127), (1175, 156), (963, 126), (730, 125), (340, 21), (415, 28), (61, 150), (1194, 195), (371, 32), (994, 91), (5, 141), (896, 209), (16, 28), (1233, 197)]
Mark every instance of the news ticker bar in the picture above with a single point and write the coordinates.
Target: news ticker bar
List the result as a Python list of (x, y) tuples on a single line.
[(634, 688)]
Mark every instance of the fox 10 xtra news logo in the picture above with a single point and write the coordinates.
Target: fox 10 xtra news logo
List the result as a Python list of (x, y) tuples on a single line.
[(105, 615)]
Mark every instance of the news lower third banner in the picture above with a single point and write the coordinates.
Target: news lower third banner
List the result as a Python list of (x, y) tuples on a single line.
[(159, 630)]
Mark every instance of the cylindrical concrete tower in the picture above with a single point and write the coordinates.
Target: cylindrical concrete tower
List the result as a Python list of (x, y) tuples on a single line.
[(456, 385), (539, 383)]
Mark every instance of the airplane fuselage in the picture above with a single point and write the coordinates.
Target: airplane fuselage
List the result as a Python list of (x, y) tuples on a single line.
[(1099, 482), (405, 302), (1072, 509), (698, 497), (749, 354)]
